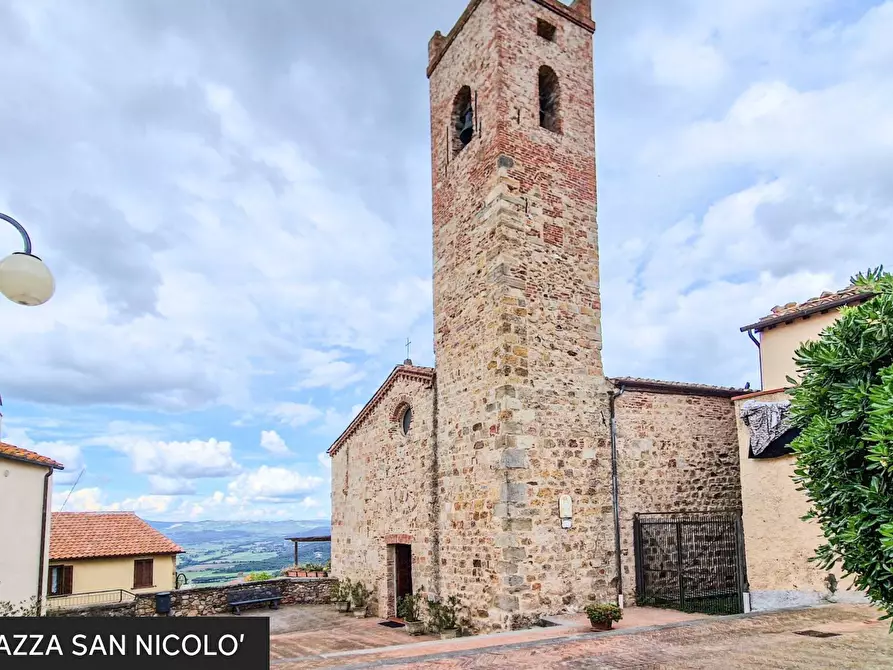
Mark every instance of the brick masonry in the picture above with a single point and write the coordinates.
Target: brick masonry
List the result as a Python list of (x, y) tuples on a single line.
[(517, 414)]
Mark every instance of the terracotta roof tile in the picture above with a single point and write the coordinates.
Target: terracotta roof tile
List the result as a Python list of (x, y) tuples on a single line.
[(19, 454), (826, 301), (660, 386), (98, 534)]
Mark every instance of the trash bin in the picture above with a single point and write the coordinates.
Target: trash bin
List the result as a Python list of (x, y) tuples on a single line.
[(163, 603)]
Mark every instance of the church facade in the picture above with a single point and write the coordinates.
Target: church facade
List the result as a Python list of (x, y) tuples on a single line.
[(510, 474)]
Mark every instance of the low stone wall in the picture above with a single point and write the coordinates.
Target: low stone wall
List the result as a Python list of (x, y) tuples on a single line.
[(208, 600), (112, 610)]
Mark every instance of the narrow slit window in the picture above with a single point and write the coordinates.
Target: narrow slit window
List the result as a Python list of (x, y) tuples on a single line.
[(545, 30), (550, 100)]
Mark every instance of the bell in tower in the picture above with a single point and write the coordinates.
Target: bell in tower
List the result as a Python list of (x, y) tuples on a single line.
[(465, 125)]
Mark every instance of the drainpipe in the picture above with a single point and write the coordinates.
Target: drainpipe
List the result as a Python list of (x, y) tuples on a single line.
[(615, 493), (43, 539), (760, 349)]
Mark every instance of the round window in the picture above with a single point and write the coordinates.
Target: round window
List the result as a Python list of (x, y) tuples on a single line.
[(407, 420)]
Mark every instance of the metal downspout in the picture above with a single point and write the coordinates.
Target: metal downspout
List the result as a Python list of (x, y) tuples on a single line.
[(615, 494), (760, 349), (43, 540)]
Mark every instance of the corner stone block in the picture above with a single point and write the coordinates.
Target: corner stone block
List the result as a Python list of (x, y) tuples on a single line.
[(506, 602), (513, 492), (514, 459)]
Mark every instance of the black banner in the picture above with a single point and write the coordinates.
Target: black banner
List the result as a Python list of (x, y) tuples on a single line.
[(172, 643)]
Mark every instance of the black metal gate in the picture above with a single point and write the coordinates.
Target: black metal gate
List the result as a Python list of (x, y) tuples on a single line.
[(691, 561)]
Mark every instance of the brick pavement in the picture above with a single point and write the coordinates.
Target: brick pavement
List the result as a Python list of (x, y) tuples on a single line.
[(764, 641)]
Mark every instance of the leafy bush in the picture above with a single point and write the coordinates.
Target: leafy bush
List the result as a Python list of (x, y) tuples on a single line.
[(444, 615), (259, 576), (314, 567), (28, 608), (342, 591), (410, 607), (606, 613), (359, 595), (844, 407)]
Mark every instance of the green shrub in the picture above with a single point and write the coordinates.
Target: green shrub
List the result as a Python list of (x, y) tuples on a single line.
[(444, 615), (29, 608), (359, 595), (606, 613), (844, 408), (259, 576), (342, 591), (410, 607)]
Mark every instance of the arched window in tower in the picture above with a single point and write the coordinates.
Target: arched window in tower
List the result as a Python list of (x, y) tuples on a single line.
[(463, 120), (550, 95)]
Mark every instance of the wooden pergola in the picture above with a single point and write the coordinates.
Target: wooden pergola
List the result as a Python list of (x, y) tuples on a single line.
[(307, 540)]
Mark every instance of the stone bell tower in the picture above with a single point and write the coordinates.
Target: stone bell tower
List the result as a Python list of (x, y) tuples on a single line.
[(522, 401)]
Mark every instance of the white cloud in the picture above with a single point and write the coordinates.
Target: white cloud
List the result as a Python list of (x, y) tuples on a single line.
[(295, 414), (273, 442), (324, 460), (194, 459), (82, 500), (69, 455), (171, 486), (271, 484), (324, 369)]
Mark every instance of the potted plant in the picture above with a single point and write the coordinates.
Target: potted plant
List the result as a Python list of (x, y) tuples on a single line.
[(341, 593), (445, 617), (602, 617), (359, 596), (409, 609)]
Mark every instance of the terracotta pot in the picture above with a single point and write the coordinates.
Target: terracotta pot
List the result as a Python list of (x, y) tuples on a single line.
[(343, 606), (360, 613), (448, 634), (415, 627), (601, 625)]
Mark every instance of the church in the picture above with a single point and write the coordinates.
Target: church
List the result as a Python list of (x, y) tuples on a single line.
[(514, 473)]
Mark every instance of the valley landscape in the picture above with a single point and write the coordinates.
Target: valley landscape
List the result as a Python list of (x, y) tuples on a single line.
[(224, 551)]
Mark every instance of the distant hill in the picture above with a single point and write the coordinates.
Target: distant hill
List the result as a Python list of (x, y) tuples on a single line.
[(220, 551)]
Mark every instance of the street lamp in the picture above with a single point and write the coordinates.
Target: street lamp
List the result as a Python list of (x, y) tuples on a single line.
[(23, 276)]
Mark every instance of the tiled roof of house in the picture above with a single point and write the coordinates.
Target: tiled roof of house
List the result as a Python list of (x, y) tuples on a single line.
[(407, 370), (105, 534), (19, 454), (686, 388), (827, 301)]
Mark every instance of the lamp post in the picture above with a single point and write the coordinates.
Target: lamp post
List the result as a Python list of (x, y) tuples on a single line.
[(24, 278)]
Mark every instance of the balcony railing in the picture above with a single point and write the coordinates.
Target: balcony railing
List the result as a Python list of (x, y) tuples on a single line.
[(110, 597)]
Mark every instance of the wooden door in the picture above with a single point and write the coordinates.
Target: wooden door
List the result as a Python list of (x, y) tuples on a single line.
[(403, 570)]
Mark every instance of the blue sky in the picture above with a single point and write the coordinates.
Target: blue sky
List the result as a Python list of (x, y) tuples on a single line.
[(234, 198)]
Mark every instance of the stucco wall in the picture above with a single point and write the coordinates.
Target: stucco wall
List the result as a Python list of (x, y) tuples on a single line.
[(21, 502), (675, 453), (382, 484), (102, 574), (778, 542), (778, 344)]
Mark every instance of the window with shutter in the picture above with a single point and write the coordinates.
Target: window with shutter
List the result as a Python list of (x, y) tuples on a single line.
[(143, 573), (60, 581)]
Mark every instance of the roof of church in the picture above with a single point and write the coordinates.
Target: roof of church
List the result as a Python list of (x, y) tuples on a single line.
[(823, 303), (405, 371), (686, 388)]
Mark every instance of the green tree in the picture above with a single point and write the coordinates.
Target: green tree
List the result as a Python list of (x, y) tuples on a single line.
[(844, 407)]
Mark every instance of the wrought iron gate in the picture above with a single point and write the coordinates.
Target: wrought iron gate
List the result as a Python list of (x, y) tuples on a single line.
[(691, 561)]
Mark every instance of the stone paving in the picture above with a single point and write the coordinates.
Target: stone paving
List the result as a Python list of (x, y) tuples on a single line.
[(317, 636), (757, 641)]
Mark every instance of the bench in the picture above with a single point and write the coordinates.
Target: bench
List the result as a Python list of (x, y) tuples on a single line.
[(257, 595)]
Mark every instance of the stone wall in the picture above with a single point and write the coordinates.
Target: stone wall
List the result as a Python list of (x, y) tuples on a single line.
[(676, 452), (383, 487), (209, 600)]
